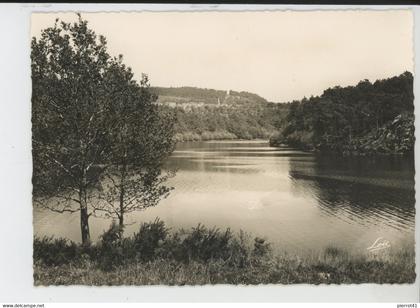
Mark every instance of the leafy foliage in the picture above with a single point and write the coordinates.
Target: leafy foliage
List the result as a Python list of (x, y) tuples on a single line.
[(226, 122), (55, 251), (206, 96), (110, 250), (71, 100), (149, 239), (153, 241), (342, 119), (205, 244), (396, 136), (140, 143), (246, 263), (91, 120), (207, 114)]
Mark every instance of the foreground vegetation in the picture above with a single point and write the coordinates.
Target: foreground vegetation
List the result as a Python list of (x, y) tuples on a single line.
[(205, 256), (369, 118)]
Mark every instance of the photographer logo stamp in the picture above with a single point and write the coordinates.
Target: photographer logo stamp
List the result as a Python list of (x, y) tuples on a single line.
[(379, 244)]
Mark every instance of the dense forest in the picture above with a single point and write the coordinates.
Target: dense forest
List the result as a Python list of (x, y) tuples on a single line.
[(207, 114), (364, 119)]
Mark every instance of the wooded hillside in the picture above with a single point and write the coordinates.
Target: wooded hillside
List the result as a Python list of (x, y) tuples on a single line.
[(363, 119), (207, 114)]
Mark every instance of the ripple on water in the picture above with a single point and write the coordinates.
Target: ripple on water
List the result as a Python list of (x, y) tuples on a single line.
[(297, 200)]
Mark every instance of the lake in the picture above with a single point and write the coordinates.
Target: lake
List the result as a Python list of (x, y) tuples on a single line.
[(298, 201)]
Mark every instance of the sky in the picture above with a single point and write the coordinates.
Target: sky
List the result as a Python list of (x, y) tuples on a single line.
[(282, 55)]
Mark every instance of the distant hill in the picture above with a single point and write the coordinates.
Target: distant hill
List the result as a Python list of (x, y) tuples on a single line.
[(208, 114), (199, 97)]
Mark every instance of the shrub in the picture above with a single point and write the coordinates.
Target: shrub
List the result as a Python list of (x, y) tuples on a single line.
[(332, 251), (55, 251), (301, 139), (203, 244), (149, 240), (110, 248), (276, 140), (240, 251), (261, 247), (153, 241)]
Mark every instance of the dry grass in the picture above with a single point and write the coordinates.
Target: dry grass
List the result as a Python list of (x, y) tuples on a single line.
[(332, 266)]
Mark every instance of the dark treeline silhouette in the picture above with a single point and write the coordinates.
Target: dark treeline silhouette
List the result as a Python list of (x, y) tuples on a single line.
[(363, 119)]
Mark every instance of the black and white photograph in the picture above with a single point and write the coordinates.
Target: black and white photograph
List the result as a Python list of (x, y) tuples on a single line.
[(223, 147)]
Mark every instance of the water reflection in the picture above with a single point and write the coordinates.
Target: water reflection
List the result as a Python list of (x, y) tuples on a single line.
[(364, 190), (297, 200)]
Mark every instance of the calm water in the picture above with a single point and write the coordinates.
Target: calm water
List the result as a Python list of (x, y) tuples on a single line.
[(297, 200)]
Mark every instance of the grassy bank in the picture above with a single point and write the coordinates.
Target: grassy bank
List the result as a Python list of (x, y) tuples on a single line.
[(206, 256)]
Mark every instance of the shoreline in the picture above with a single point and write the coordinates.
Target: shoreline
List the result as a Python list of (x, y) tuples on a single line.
[(226, 140), (200, 256)]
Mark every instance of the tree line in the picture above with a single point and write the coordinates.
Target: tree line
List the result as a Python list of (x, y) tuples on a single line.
[(208, 114), (207, 96), (238, 122), (98, 139), (354, 119)]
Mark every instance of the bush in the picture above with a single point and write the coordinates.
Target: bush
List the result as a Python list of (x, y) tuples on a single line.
[(149, 240), (55, 251), (240, 252), (301, 139), (261, 247), (153, 241), (110, 248), (203, 244), (206, 255), (276, 140)]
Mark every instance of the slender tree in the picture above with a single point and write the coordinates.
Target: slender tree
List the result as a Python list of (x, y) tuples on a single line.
[(139, 146), (73, 89)]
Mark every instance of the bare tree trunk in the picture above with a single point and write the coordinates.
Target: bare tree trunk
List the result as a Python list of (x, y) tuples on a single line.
[(84, 215), (121, 220), (84, 221), (122, 193)]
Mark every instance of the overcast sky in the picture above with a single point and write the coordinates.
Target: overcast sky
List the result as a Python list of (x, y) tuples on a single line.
[(279, 55)]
